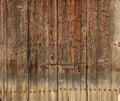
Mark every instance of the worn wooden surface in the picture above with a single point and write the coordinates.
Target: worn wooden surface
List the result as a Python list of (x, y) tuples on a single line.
[(59, 50)]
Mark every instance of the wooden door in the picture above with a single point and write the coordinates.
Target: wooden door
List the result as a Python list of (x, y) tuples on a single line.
[(59, 50)]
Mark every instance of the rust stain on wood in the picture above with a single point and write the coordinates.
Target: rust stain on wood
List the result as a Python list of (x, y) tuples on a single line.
[(59, 50)]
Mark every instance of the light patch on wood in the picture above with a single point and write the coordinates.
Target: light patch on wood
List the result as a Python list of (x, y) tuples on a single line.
[(116, 49), (118, 97)]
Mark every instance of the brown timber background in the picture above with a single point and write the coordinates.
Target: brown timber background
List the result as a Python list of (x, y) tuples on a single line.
[(59, 50)]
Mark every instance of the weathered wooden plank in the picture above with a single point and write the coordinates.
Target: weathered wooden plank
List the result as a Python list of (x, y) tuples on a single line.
[(92, 49), (104, 51), (43, 75), (33, 51), (2, 65), (83, 52), (114, 28), (63, 49), (42, 50), (113, 17), (10, 71), (15, 52), (72, 50), (15, 79), (75, 40), (21, 25), (14, 61)]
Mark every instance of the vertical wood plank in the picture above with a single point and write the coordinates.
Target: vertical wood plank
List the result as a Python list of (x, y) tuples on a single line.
[(21, 25), (33, 51), (115, 49), (92, 49), (11, 57), (15, 52), (43, 55), (72, 50), (114, 96), (83, 51), (104, 51), (2, 47), (63, 50), (43, 68)]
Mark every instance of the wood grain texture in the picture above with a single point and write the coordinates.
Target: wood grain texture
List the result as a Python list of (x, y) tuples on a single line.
[(104, 51), (92, 8), (42, 39), (14, 50), (59, 50), (72, 50), (115, 49), (2, 59)]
